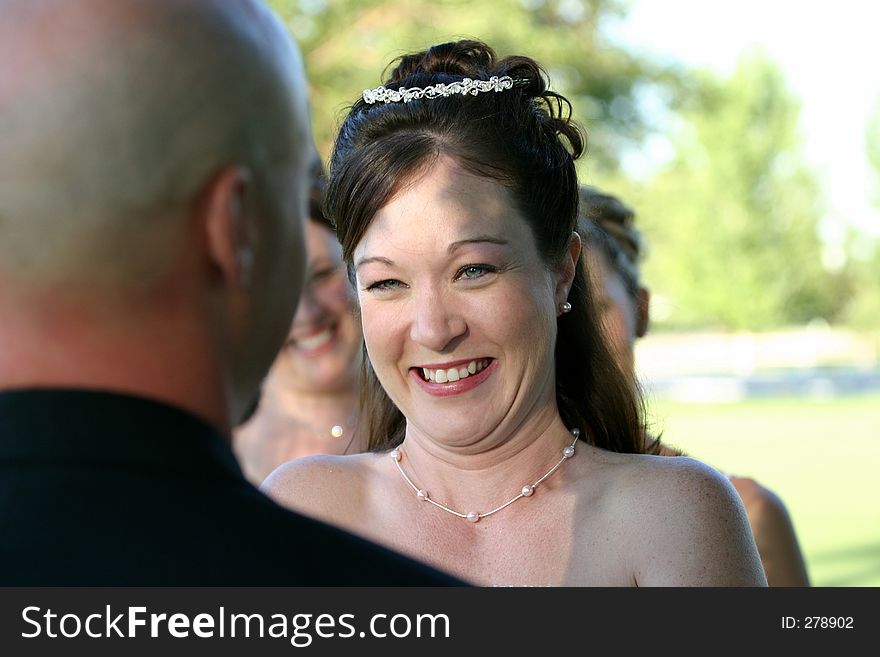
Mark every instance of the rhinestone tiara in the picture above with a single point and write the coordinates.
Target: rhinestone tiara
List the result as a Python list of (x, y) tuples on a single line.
[(463, 87)]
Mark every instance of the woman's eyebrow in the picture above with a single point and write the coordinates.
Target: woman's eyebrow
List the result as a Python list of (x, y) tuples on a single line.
[(476, 240), (321, 262), (491, 239), (365, 261)]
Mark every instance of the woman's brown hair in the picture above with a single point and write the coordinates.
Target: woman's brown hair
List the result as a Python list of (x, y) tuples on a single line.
[(522, 138)]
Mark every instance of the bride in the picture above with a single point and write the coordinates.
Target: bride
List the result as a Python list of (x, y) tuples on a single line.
[(506, 443)]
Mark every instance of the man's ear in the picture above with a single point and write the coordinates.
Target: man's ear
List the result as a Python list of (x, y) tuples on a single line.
[(225, 222), (643, 312), (567, 269)]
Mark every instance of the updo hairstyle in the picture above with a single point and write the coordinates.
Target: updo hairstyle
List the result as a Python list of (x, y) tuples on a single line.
[(522, 138)]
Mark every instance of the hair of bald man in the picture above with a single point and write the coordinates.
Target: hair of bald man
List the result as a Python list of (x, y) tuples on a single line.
[(106, 140)]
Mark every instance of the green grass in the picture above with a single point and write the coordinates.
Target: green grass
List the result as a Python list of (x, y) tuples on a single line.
[(821, 457)]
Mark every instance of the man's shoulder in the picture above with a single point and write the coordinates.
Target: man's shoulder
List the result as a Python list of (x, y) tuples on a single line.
[(161, 531), (337, 557), (252, 540), (156, 500)]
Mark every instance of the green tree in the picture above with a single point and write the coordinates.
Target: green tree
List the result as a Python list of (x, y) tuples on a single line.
[(732, 217), (862, 309), (863, 306), (348, 43), (872, 146)]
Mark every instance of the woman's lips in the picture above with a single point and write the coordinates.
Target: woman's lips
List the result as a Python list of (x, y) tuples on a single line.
[(441, 386), (316, 342)]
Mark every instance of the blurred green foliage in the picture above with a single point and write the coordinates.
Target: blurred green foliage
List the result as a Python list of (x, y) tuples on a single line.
[(872, 145), (348, 44), (862, 309), (732, 217), (863, 301)]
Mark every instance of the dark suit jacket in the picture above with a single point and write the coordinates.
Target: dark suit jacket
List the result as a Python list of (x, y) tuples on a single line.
[(105, 489)]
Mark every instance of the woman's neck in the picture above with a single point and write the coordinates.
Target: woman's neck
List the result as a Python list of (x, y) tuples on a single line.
[(283, 429), (482, 480), (312, 408)]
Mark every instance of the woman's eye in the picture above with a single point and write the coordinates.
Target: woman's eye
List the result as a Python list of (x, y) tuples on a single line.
[(471, 272), (385, 285), (322, 274)]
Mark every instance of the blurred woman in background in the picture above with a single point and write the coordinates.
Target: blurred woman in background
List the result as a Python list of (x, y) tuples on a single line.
[(309, 400), (612, 249)]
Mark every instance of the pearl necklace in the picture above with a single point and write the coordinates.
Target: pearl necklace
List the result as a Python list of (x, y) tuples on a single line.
[(474, 516), (336, 432)]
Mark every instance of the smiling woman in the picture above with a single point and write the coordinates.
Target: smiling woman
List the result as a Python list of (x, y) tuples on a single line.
[(506, 440), (473, 289)]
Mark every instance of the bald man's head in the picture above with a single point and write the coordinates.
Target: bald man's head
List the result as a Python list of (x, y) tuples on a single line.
[(114, 114)]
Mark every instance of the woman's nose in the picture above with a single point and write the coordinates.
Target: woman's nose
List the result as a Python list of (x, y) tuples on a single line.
[(437, 322), (308, 310)]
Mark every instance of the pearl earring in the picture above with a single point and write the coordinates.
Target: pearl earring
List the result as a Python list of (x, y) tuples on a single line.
[(565, 307)]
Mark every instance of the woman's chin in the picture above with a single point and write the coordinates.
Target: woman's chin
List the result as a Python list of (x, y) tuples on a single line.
[(322, 381)]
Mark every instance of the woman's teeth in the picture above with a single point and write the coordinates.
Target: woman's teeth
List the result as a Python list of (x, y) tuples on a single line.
[(455, 373), (315, 341)]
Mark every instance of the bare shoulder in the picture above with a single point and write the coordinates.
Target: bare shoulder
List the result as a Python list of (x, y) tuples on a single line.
[(251, 452), (686, 523), (766, 511), (684, 479), (774, 533), (326, 487), (663, 479), (759, 500)]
